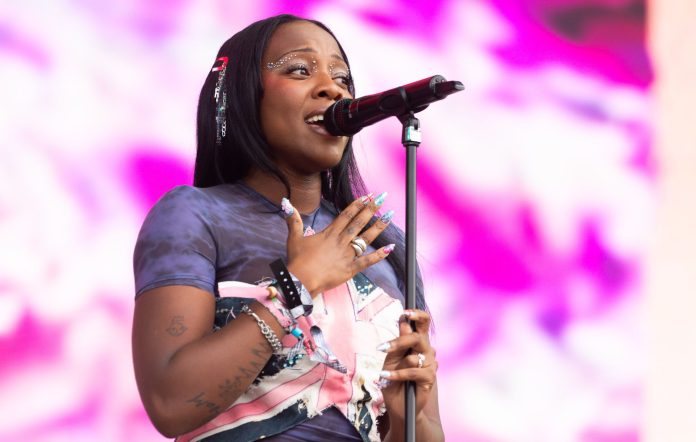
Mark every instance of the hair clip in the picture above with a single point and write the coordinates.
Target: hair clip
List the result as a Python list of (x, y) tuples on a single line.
[(220, 102), (222, 67)]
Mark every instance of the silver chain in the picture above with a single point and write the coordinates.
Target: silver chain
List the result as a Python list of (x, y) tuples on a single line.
[(266, 330)]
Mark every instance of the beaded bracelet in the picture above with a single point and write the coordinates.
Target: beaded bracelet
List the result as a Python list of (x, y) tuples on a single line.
[(267, 331), (276, 305)]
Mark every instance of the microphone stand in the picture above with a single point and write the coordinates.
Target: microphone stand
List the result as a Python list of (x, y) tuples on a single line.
[(410, 139), (347, 117)]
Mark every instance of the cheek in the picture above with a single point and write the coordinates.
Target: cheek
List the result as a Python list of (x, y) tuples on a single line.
[(275, 108), (270, 115)]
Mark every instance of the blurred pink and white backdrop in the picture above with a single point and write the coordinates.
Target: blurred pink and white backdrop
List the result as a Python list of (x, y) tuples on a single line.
[(536, 202)]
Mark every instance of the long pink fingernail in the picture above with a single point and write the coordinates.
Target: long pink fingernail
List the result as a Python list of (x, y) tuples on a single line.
[(366, 199), (286, 207), (388, 249), (384, 374)]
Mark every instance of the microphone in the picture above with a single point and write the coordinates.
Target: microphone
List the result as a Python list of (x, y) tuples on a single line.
[(347, 117)]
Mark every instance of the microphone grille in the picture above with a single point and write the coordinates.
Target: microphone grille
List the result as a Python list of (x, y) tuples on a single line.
[(334, 119)]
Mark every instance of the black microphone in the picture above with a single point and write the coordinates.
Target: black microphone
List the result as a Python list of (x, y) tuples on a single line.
[(347, 117)]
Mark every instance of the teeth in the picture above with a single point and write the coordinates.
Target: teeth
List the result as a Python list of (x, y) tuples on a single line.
[(314, 119)]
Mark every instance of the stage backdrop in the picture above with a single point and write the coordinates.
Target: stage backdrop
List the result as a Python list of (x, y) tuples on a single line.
[(535, 198)]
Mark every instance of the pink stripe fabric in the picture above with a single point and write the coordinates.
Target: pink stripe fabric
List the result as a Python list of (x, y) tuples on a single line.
[(261, 405), (353, 324)]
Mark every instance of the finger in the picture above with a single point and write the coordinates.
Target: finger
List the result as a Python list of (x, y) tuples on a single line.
[(408, 341), (405, 327), (365, 261), (350, 212), (424, 375), (355, 226), (378, 227), (292, 217), (412, 360), (420, 319)]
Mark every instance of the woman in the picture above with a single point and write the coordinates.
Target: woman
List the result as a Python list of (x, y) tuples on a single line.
[(268, 176)]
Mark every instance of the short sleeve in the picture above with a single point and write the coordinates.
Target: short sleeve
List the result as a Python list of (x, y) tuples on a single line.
[(175, 245)]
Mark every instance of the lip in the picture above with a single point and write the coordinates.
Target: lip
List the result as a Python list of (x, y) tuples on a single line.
[(320, 129)]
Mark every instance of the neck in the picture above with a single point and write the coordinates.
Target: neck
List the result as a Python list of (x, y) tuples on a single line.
[(305, 189)]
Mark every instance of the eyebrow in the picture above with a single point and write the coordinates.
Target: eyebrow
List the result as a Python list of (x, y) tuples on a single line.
[(308, 49)]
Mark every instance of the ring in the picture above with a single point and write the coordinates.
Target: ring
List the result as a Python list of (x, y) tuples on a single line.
[(421, 360), (358, 251), (359, 245), (359, 242)]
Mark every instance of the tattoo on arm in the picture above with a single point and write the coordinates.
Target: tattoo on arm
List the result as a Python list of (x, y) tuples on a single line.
[(230, 390), (177, 327), (254, 367), (260, 351), (247, 373), (213, 408)]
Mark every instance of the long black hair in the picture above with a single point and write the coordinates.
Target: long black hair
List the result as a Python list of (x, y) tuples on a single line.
[(245, 147)]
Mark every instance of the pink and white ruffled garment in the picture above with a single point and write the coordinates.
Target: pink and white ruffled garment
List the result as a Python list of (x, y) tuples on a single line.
[(354, 318)]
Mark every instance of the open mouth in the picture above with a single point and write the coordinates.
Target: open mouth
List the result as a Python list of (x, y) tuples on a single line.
[(317, 120)]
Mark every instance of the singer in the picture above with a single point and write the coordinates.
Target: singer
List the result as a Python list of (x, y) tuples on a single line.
[(269, 295)]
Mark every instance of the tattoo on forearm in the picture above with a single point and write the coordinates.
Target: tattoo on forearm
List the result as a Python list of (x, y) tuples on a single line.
[(230, 390), (260, 351), (248, 374), (254, 367), (199, 401), (177, 327)]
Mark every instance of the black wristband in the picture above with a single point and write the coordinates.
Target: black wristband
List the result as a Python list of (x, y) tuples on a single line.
[(291, 292)]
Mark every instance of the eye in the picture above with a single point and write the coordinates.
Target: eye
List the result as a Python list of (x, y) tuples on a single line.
[(341, 74), (300, 69), (344, 79)]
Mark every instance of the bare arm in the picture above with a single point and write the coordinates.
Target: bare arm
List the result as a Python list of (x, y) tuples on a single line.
[(186, 374)]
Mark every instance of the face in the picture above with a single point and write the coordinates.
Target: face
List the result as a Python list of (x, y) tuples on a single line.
[(303, 73)]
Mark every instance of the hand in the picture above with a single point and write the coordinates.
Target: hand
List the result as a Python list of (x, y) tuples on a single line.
[(327, 259), (401, 364)]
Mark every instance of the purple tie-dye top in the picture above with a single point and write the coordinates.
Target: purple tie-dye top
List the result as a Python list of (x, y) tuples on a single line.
[(201, 236)]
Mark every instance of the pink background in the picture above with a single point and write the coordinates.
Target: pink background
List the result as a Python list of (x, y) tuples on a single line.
[(537, 193)]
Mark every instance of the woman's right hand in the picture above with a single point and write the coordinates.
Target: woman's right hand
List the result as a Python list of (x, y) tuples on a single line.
[(327, 259)]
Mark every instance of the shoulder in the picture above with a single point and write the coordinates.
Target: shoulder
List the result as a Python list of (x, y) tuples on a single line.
[(182, 201), (188, 208), (183, 209), (184, 197)]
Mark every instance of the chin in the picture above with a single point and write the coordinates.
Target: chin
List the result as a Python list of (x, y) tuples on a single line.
[(334, 163), (331, 159)]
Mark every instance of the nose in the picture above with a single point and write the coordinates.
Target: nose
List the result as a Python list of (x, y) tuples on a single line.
[(328, 88)]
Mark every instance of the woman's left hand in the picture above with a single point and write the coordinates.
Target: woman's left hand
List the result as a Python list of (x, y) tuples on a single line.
[(410, 357)]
